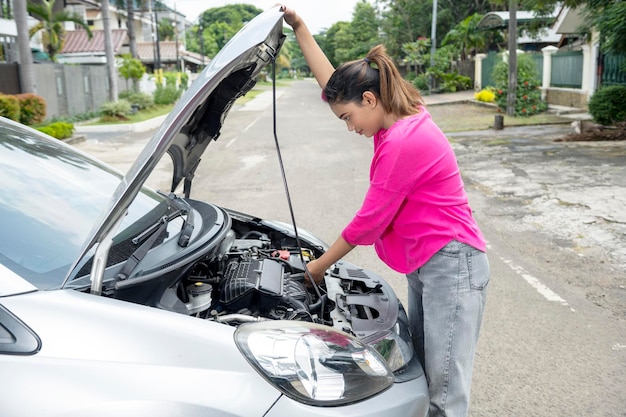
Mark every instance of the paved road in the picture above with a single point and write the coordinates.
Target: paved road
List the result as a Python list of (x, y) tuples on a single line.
[(553, 339)]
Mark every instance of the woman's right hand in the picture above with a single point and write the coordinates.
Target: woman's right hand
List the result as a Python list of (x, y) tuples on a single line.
[(315, 271), (291, 17)]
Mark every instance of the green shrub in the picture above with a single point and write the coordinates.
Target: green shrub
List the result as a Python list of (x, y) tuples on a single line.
[(421, 81), (9, 107), (528, 91), (607, 106), (116, 109), (141, 100), (451, 82), (32, 108), (59, 130), (166, 95)]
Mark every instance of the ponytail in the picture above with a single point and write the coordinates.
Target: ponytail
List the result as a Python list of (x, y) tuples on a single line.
[(376, 73)]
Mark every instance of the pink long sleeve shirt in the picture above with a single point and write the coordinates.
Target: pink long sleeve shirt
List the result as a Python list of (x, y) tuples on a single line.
[(416, 203)]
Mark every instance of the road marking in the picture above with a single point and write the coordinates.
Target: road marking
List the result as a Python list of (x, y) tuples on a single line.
[(243, 131), (541, 288)]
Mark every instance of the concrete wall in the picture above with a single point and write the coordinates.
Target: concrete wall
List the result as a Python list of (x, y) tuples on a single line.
[(71, 90), (568, 97)]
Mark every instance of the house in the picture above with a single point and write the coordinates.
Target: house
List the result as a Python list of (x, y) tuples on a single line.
[(567, 64), (168, 55), (171, 55), (79, 49)]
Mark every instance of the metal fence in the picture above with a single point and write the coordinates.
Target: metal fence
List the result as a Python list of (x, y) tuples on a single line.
[(614, 69), (567, 70)]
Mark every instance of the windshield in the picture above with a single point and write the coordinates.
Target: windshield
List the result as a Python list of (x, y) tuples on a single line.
[(51, 196)]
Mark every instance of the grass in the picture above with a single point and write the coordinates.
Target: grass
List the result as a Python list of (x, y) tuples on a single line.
[(249, 96), (464, 117), (140, 116)]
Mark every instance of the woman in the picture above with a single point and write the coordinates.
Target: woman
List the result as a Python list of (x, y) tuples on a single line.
[(415, 213)]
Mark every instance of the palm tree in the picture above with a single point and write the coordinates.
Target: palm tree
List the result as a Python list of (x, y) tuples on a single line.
[(466, 36), (52, 25)]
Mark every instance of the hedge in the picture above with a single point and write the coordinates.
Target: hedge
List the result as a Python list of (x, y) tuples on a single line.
[(9, 107), (32, 108)]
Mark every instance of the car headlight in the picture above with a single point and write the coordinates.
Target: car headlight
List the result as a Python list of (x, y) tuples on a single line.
[(397, 352), (313, 364)]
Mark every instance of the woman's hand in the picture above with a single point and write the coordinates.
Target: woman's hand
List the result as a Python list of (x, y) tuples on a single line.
[(290, 16), (315, 271)]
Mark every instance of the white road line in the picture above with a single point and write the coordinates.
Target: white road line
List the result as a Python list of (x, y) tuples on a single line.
[(541, 288), (243, 131)]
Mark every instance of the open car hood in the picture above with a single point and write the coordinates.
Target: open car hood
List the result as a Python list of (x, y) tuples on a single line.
[(198, 116)]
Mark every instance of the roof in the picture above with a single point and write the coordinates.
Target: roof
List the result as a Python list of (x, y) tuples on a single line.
[(167, 53), (569, 20), (497, 20), (77, 41)]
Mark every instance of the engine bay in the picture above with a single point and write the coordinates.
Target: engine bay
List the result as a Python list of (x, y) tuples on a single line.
[(258, 274)]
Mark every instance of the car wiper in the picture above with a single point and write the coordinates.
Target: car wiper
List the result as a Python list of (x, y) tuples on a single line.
[(148, 237)]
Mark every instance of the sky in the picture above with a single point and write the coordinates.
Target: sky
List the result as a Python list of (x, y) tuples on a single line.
[(317, 14)]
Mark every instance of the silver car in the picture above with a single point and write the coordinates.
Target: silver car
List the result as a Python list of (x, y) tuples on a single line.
[(118, 300)]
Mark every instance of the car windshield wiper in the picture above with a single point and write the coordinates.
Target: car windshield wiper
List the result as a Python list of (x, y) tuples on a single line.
[(148, 237)]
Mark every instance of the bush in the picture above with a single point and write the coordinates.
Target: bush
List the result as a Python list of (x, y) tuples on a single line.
[(166, 95), (32, 108), (59, 130), (485, 95), (116, 109), (141, 100), (528, 93), (451, 82), (172, 78), (10, 107), (421, 82), (608, 105)]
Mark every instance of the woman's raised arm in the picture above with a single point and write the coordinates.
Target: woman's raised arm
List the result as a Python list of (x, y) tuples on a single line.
[(315, 58)]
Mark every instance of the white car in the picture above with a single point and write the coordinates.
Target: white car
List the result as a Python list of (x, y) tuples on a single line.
[(118, 300)]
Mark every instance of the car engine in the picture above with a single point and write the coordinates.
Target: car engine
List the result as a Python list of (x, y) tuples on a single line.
[(250, 279)]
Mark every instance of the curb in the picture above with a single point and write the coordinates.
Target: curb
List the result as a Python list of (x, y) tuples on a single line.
[(123, 127)]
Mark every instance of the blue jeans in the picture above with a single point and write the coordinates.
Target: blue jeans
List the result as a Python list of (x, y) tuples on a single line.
[(446, 302)]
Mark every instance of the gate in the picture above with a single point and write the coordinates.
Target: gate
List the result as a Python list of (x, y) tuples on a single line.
[(488, 64), (614, 69), (9, 79)]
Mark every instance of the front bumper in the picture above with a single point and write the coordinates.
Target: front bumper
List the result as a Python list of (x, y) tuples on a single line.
[(405, 399)]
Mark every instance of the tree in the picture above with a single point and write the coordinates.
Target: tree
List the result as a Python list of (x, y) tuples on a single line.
[(217, 25), (27, 76), (355, 39), (608, 17), (465, 36), (131, 68), (51, 23), (415, 53), (167, 31)]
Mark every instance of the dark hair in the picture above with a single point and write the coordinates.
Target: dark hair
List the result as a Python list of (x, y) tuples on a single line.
[(378, 74)]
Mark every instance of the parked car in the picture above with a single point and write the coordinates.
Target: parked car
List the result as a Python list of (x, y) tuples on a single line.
[(116, 299)]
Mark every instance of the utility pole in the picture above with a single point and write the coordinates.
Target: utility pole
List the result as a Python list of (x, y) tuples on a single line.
[(157, 63), (433, 46), (512, 91)]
